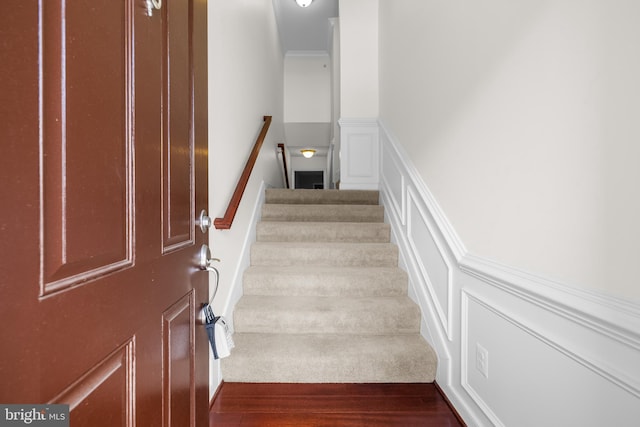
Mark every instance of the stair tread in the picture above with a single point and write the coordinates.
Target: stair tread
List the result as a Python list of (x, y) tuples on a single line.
[(330, 358)]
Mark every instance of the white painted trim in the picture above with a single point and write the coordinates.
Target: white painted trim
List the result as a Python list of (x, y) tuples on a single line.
[(464, 368), (245, 258), (400, 156), (590, 315), (399, 206), (444, 317), (605, 314), (215, 367), (359, 154), (620, 318), (307, 53), (607, 372), (359, 122), (438, 335)]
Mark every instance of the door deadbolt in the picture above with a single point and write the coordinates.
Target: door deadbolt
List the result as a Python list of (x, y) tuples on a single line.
[(204, 221)]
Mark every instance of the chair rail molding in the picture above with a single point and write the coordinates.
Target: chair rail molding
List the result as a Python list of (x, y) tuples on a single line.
[(566, 350)]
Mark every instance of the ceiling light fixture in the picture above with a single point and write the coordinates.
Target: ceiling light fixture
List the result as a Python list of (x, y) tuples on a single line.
[(308, 153), (304, 3)]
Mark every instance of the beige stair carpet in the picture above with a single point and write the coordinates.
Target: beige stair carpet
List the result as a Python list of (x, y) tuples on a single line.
[(324, 300)]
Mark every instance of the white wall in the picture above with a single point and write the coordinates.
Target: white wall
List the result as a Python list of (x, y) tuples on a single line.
[(508, 152), (520, 116), (307, 88), (358, 94), (358, 58), (245, 84)]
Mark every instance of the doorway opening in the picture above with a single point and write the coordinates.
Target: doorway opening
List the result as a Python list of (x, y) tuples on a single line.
[(309, 179)]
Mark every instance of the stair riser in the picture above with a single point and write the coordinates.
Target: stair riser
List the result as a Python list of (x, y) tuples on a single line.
[(354, 256), (333, 197), (276, 231), (340, 359), (322, 213)]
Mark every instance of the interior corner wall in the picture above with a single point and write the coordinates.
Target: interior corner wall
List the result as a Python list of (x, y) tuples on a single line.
[(245, 84), (334, 152), (521, 117), (358, 59)]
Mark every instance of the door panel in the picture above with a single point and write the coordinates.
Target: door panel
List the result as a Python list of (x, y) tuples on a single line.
[(86, 141), (177, 112), (179, 363), (104, 165), (104, 395)]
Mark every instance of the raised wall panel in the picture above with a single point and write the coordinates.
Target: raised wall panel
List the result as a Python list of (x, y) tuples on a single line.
[(359, 155), (178, 154), (394, 180), (85, 148), (178, 397), (524, 356), (359, 150), (104, 396), (429, 255)]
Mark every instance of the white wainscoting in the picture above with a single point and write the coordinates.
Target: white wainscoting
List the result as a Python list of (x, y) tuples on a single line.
[(557, 355), (359, 154)]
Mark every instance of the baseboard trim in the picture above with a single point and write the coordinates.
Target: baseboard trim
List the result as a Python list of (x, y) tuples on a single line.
[(215, 395), (446, 398), (245, 260)]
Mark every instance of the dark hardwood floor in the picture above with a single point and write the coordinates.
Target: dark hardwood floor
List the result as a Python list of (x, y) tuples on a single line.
[(306, 405)]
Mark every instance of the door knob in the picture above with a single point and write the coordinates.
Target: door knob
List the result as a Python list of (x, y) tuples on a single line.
[(204, 221)]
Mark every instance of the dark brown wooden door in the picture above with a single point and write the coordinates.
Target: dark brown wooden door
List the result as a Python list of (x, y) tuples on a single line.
[(104, 167)]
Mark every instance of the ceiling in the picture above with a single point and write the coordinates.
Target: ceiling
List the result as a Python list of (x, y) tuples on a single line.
[(305, 28), (307, 135)]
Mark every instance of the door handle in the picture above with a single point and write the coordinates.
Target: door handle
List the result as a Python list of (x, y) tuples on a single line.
[(205, 259), (204, 221), (204, 262)]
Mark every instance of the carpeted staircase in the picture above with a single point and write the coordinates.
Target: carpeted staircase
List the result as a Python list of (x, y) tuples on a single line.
[(324, 300)]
